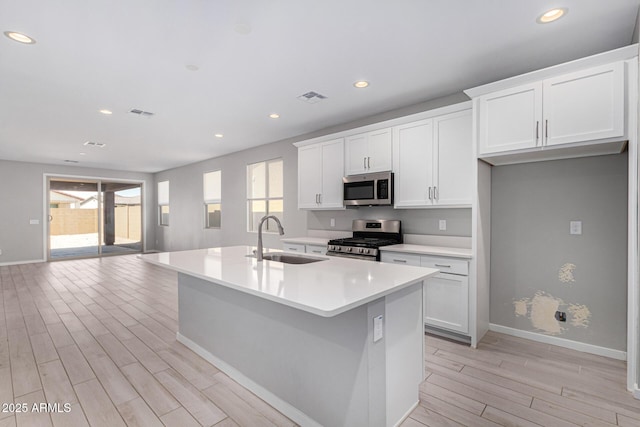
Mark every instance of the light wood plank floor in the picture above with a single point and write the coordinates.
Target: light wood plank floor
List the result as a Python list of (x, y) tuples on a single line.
[(99, 335)]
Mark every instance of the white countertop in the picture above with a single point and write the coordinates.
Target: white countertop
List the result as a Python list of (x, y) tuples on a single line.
[(429, 250), (320, 241), (326, 288)]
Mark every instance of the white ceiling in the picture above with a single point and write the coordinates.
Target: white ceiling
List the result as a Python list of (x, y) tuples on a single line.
[(119, 55)]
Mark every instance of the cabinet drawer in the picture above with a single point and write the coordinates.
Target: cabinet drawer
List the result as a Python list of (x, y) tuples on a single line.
[(400, 258), (316, 249), (293, 247), (446, 265)]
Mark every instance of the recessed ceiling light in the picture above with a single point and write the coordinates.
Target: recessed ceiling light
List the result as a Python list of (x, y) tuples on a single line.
[(361, 84), (274, 115), (106, 112), (19, 37), (192, 67), (83, 154), (218, 135), (552, 15)]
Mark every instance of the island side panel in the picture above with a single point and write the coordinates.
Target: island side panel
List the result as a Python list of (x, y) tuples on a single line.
[(318, 365), (404, 329)]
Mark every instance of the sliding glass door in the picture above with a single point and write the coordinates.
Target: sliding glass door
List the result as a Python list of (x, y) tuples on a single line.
[(89, 218)]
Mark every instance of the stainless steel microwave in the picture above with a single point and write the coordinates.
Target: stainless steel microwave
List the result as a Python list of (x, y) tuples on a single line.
[(368, 189)]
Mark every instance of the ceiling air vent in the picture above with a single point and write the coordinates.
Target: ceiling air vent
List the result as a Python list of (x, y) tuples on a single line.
[(140, 113), (95, 144), (311, 97), (71, 161)]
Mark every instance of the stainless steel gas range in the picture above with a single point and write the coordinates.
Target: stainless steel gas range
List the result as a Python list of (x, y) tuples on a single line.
[(368, 236)]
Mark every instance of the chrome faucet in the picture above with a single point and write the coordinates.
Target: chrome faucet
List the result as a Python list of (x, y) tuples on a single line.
[(258, 251)]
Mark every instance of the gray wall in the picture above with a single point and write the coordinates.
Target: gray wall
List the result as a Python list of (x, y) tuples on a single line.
[(414, 221), (22, 192), (532, 205), (186, 227)]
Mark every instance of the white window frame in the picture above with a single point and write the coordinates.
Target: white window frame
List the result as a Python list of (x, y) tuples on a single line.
[(163, 200), (266, 199), (212, 197)]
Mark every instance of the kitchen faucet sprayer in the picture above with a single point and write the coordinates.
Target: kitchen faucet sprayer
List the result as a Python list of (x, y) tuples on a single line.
[(258, 251)]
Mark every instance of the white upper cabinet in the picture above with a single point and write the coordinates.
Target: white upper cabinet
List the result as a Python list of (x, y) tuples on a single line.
[(584, 105), (578, 107), (453, 159), (433, 161), (510, 119), (413, 160), (368, 152), (320, 170)]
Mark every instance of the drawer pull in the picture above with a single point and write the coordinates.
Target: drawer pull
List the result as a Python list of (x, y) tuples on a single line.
[(400, 260), (316, 252), (293, 249), (443, 265)]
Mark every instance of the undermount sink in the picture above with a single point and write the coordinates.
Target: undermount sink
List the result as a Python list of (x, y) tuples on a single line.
[(290, 259)]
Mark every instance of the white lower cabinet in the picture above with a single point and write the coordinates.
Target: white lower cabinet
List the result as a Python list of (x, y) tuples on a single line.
[(446, 295), (293, 247), (302, 248), (316, 249)]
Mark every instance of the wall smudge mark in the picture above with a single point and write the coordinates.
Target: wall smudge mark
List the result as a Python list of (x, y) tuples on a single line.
[(521, 306), (580, 315), (543, 311), (565, 274)]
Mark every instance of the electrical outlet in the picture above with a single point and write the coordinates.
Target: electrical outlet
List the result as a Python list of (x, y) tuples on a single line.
[(333, 222), (442, 224), (575, 227), (377, 328), (561, 316)]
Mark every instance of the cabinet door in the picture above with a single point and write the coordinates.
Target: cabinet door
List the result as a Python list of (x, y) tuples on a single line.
[(332, 173), (585, 105), (379, 151), (446, 302), (412, 160), (356, 154), (453, 154), (293, 247), (316, 249), (510, 119), (309, 176), (400, 258)]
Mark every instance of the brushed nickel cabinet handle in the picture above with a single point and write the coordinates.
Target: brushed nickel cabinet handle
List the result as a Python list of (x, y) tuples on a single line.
[(368, 162), (400, 260), (537, 131), (320, 198), (364, 162), (430, 194), (435, 193), (442, 265), (546, 129)]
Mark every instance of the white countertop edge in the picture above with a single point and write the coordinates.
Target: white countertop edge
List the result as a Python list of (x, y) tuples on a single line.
[(293, 304), (429, 250)]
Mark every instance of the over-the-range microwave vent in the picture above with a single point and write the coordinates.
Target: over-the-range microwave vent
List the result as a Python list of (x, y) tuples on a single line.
[(311, 97), (141, 113)]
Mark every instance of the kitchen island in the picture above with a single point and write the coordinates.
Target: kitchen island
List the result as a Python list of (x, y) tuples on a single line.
[(303, 336)]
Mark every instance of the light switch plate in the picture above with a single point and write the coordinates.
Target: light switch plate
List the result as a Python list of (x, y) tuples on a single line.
[(34, 221), (442, 224), (333, 222), (377, 328), (575, 227)]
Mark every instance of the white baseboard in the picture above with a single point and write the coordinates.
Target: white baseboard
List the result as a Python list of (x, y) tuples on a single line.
[(636, 393), (30, 261), (560, 342), (406, 415), (273, 400)]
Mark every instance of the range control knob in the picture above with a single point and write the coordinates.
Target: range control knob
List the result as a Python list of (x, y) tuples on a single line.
[(366, 251), (349, 249), (360, 250)]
